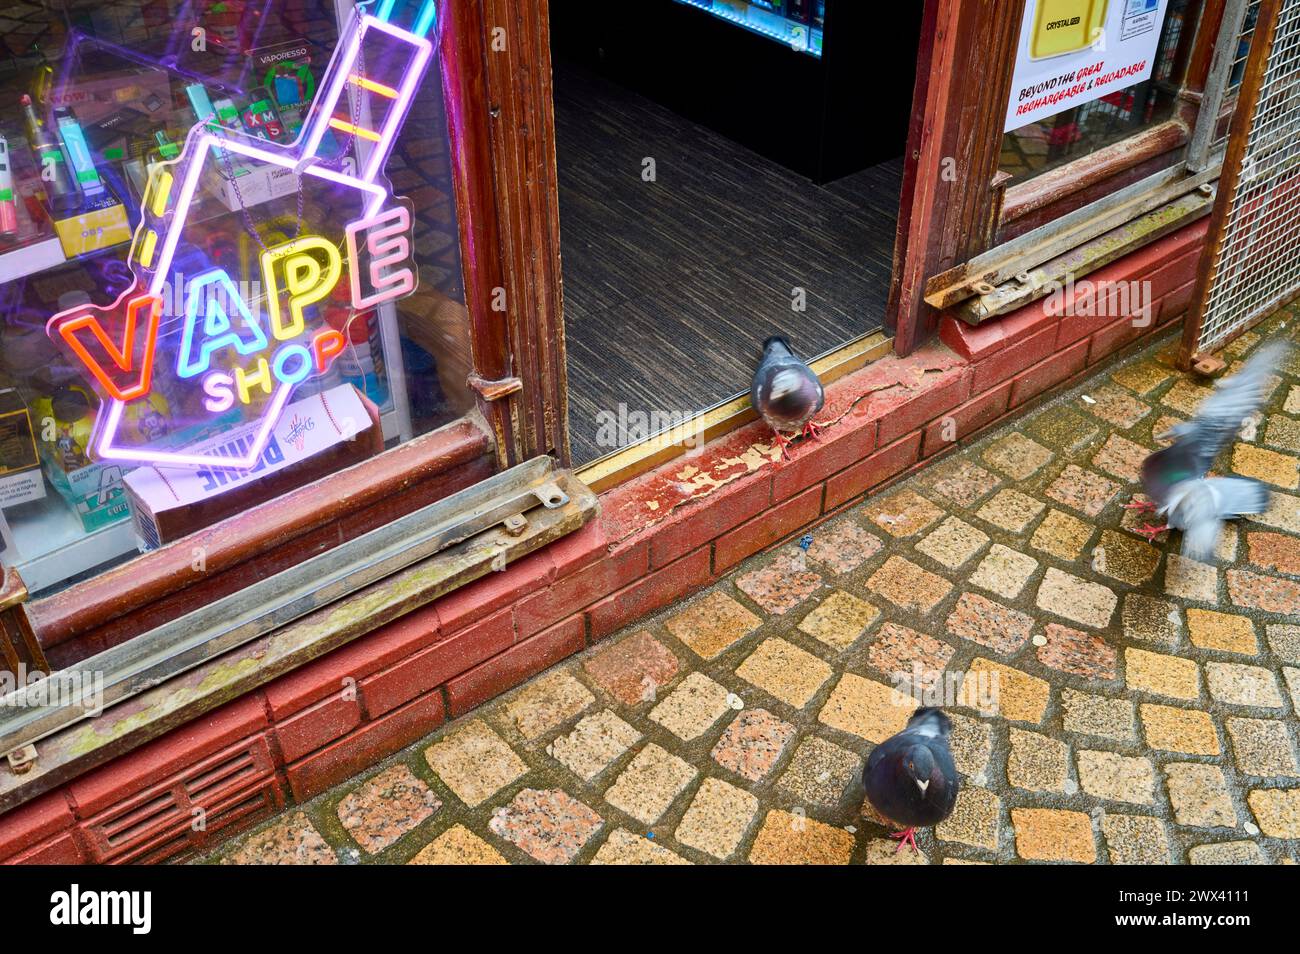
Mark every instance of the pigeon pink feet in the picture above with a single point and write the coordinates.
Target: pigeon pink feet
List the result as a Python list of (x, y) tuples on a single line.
[(813, 430), (783, 442), (1151, 532), (1142, 506), (906, 837)]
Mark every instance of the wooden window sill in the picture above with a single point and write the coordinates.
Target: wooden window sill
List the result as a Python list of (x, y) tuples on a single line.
[(1029, 204)]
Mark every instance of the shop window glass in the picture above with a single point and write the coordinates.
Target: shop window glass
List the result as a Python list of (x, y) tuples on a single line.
[(190, 325), (1068, 135)]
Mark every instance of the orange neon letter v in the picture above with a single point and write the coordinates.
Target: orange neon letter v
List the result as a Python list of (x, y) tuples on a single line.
[(123, 358)]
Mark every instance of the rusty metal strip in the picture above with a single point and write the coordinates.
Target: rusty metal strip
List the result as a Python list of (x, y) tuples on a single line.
[(1216, 85)]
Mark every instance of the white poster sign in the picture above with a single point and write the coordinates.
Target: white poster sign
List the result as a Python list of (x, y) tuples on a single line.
[(1074, 51)]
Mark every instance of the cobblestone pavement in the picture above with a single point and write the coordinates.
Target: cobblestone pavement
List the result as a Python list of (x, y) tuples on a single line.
[(1146, 705)]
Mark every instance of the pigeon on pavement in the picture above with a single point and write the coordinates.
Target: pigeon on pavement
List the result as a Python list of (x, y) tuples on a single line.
[(786, 393), (1175, 478), (911, 778)]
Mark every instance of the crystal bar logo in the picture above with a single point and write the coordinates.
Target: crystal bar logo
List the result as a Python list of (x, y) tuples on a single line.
[(353, 250)]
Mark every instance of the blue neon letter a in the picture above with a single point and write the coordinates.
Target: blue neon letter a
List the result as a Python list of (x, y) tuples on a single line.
[(210, 295)]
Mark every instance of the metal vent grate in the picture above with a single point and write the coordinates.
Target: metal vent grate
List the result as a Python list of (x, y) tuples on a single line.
[(1255, 262), (234, 786)]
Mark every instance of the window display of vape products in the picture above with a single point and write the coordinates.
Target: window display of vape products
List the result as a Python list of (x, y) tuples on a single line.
[(253, 327), (84, 211)]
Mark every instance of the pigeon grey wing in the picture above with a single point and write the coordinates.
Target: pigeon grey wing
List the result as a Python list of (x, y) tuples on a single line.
[(1235, 496), (878, 755), (760, 393), (756, 387), (1220, 416), (951, 782)]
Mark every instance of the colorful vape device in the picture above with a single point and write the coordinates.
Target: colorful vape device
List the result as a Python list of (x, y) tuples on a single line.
[(78, 153), (261, 118), (200, 102), (60, 191), (227, 114), (8, 208), (1066, 26), (204, 111)]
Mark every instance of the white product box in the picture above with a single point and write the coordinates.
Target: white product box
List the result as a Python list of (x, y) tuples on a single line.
[(257, 184), (170, 502)]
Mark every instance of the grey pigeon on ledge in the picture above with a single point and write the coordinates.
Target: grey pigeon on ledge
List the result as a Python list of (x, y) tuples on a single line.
[(1175, 478), (911, 778), (786, 393)]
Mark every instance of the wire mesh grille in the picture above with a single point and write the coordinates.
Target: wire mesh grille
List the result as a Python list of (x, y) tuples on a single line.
[(1257, 265), (1237, 69)]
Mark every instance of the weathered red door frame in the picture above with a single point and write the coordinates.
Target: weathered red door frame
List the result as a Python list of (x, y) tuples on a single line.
[(950, 203), (497, 64)]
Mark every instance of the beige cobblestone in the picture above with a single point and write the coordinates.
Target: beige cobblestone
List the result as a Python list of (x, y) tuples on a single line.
[(1020, 696), (1170, 729), (1037, 763), (1135, 840), (789, 673), (788, 839), (1117, 778), (975, 820), (1048, 834), (1199, 795), (718, 818), (1162, 675)]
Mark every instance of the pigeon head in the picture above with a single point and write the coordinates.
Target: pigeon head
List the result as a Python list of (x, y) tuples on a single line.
[(781, 340), (918, 765)]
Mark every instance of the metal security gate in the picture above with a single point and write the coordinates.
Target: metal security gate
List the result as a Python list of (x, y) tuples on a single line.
[(1251, 264)]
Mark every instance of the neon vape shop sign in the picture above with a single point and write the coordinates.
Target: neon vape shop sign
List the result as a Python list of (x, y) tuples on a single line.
[(353, 245)]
